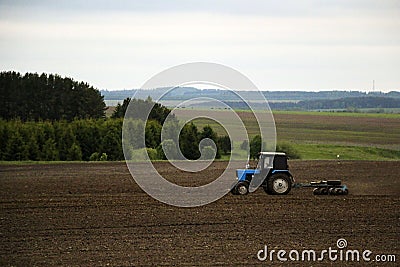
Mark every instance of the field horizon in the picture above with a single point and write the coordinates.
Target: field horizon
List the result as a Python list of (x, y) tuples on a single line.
[(350, 135)]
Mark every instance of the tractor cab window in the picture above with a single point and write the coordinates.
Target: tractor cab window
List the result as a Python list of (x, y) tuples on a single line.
[(268, 162), (265, 162)]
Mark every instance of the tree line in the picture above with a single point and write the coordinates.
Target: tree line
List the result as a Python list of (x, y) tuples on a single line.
[(34, 97), (139, 108), (84, 139), (100, 139)]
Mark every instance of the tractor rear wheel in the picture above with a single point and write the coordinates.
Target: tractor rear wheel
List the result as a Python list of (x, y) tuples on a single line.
[(242, 188), (279, 184)]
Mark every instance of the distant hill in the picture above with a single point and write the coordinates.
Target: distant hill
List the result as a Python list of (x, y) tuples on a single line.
[(186, 93), (349, 103)]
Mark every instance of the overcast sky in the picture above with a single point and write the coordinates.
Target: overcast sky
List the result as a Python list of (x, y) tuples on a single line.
[(279, 45)]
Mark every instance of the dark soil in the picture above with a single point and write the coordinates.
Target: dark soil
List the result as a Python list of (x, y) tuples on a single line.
[(95, 214)]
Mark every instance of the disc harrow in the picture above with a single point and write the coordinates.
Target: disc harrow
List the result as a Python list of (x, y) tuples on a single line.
[(329, 187)]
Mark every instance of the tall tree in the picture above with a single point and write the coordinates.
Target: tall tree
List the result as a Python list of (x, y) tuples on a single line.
[(189, 141), (209, 133), (50, 152), (255, 146), (15, 147), (224, 144), (153, 134)]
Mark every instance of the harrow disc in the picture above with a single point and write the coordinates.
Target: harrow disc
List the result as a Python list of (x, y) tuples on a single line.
[(317, 191)]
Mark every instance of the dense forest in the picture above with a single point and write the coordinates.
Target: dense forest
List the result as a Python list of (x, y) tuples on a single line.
[(47, 97)]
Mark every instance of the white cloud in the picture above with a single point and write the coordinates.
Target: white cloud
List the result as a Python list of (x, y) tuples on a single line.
[(341, 47)]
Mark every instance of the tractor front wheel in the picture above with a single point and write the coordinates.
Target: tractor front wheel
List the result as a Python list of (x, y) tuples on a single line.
[(233, 190), (279, 184), (242, 188)]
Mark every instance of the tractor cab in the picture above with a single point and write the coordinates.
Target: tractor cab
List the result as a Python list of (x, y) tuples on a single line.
[(272, 161), (272, 169)]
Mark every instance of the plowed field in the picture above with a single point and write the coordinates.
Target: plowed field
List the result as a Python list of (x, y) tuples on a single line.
[(94, 214)]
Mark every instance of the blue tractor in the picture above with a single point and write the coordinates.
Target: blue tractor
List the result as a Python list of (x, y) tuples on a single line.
[(272, 174)]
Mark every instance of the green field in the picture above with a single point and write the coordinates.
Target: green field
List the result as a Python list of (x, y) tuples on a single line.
[(324, 135)]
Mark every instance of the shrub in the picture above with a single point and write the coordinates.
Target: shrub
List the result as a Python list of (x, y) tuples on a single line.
[(95, 156), (290, 151), (152, 153), (103, 157), (167, 147), (208, 152)]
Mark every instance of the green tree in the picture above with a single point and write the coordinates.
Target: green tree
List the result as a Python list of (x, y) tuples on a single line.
[(224, 144), (5, 133), (209, 133), (208, 152), (120, 110), (167, 147), (33, 148), (49, 152), (89, 135), (170, 130), (65, 139), (138, 108), (48, 130), (152, 153), (40, 138), (189, 142), (15, 148), (111, 142), (74, 152), (153, 134), (133, 134), (255, 146)]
